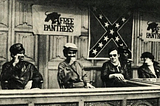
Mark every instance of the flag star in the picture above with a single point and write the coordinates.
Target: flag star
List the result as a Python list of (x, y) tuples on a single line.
[(100, 16), (121, 44), (106, 24), (117, 25), (117, 38), (123, 19), (94, 8), (106, 38), (94, 51), (100, 45), (111, 31)]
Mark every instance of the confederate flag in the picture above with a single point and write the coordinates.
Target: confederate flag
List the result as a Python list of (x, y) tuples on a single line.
[(108, 29)]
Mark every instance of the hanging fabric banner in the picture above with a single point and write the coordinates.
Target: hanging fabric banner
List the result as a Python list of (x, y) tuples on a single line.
[(56, 20), (108, 31), (150, 27)]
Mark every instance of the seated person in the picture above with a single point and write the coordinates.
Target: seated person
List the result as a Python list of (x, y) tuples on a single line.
[(19, 74), (70, 72), (150, 68), (113, 73), (125, 58)]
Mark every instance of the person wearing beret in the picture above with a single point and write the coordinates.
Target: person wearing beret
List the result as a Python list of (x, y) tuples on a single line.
[(19, 74), (150, 68), (70, 71)]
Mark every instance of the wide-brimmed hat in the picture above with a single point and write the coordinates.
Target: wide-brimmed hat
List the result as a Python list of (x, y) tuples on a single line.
[(123, 49)]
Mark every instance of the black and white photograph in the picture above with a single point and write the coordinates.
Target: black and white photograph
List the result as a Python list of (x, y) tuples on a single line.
[(80, 53)]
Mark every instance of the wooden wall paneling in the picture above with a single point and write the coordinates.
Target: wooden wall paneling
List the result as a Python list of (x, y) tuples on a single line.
[(4, 28), (52, 75), (78, 43), (23, 15), (97, 81), (85, 21), (82, 44), (97, 72), (55, 56), (158, 51), (4, 7), (155, 49), (135, 38), (5, 31), (58, 46), (12, 18), (138, 40), (140, 36), (42, 58), (134, 72), (10, 2), (3, 48)]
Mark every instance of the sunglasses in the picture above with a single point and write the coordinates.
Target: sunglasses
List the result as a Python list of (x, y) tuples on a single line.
[(114, 55), (72, 53)]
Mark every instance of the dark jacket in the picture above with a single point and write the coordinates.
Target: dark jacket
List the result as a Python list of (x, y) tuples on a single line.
[(107, 69), (17, 77), (145, 72), (71, 76)]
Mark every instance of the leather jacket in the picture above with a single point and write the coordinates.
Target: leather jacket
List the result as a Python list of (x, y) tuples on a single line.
[(107, 69), (145, 72), (16, 77)]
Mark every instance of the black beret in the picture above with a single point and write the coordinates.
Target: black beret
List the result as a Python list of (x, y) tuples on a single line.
[(17, 48), (123, 49), (147, 55)]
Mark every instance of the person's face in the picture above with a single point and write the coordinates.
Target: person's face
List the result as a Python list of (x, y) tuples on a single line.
[(113, 55), (71, 55), (125, 53), (147, 60), (20, 56)]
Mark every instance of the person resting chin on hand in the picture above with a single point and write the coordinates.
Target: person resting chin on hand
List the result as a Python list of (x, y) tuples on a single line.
[(19, 74), (70, 72)]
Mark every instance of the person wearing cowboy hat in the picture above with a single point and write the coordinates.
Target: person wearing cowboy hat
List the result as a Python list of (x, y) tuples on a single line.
[(70, 72), (150, 68), (19, 74)]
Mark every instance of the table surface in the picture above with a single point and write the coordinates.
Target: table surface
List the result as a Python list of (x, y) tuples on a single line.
[(154, 81)]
